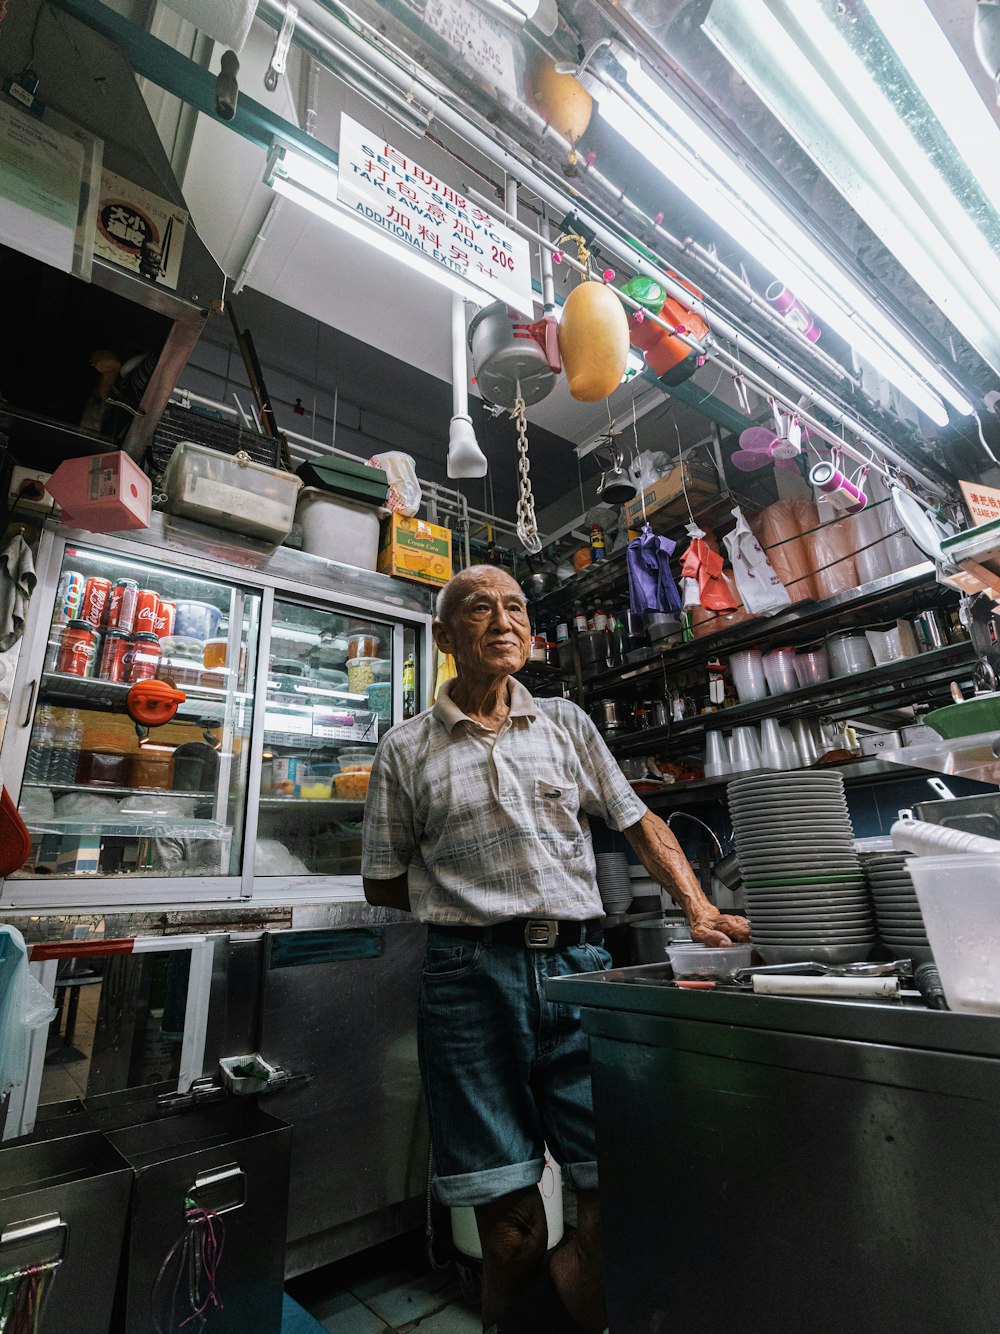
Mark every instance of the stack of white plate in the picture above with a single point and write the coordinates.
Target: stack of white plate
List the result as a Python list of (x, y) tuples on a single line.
[(613, 881), (805, 890), (897, 912)]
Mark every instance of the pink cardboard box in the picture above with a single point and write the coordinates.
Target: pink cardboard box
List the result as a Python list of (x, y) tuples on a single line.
[(103, 493)]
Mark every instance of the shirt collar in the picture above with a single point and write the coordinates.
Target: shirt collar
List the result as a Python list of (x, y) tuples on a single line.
[(446, 711)]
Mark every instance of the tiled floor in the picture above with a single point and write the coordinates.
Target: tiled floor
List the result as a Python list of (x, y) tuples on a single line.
[(390, 1289)]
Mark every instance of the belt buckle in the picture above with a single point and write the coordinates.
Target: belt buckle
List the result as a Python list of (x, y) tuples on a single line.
[(541, 933)]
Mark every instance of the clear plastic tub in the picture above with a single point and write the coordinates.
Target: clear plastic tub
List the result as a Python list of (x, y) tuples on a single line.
[(355, 760), (351, 786), (704, 961), (361, 672), (363, 643), (958, 898), (246, 498), (380, 698)]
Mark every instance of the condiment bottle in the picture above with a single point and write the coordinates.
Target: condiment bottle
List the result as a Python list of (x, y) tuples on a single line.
[(580, 621), (597, 549), (409, 688)]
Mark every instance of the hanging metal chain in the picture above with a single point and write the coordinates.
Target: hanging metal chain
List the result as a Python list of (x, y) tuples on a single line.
[(527, 527)]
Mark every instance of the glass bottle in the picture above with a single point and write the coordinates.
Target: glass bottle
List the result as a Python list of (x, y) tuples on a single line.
[(597, 547), (409, 688)]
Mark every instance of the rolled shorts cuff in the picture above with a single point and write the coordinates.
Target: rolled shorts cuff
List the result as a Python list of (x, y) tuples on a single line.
[(580, 1176), (470, 1188)]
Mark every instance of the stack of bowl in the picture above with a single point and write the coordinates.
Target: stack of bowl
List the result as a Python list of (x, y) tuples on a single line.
[(805, 890), (613, 881), (897, 913)]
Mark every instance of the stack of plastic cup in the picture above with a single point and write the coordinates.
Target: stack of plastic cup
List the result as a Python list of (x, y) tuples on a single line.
[(744, 750), (773, 753), (747, 668), (716, 755)]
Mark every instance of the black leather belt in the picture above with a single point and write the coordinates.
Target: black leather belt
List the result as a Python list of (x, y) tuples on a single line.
[(533, 933)]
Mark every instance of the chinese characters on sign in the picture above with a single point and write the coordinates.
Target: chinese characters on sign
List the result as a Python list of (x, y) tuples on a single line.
[(139, 230), (982, 502), (479, 40), (379, 183)]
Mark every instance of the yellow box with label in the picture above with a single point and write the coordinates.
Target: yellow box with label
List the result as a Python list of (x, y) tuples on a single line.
[(414, 549)]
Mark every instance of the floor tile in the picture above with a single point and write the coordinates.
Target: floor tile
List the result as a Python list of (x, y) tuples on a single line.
[(400, 1297), (454, 1319), (344, 1314)]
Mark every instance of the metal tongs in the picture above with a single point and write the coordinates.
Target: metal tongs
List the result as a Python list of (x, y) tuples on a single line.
[(901, 968)]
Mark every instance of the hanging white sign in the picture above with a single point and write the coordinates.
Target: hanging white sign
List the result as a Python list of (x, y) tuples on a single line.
[(479, 40), (386, 188)]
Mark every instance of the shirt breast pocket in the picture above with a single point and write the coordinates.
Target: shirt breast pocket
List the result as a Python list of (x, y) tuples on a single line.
[(557, 804)]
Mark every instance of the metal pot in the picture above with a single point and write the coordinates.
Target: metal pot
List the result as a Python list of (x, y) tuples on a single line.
[(648, 941), (610, 716), (506, 358)]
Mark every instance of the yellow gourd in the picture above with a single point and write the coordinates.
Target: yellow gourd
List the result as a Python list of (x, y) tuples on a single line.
[(593, 341), (560, 99)]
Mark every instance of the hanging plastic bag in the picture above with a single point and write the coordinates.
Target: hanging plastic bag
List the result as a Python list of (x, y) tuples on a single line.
[(832, 546), (762, 591), (701, 566), (405, 494), (651, 585), (779, 529)]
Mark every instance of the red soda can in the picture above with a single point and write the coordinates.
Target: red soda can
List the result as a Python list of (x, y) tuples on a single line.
[(124, 602), (77, 649), (143, 658), (146, 611), (96, 596), (114, 652), (166, 618), (69, 597)]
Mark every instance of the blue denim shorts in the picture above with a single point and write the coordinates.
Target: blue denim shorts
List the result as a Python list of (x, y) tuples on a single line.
[(505, 1070)]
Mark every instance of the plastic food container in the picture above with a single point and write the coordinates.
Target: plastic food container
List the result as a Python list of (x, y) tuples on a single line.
[(812, 666), (355, 761), (244, 497), (849, 653), (361, 672), (704, 961), (337, 528), (747, 668), (779, 669), (195, 620), (153, 766), (174, 646), (98, 768), (351, 786), (958, 898), (363, 641), (380, 698)]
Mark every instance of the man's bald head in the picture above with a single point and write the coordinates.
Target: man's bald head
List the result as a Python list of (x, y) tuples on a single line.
[(466, 584)]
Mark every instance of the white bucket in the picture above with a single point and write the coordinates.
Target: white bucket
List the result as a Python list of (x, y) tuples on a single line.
[(337, 528), (465, 1231)]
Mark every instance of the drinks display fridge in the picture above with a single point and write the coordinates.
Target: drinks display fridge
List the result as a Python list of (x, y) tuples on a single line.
[(291, 668)]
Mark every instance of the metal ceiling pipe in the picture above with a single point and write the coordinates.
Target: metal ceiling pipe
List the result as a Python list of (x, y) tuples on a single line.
[(626, 251)]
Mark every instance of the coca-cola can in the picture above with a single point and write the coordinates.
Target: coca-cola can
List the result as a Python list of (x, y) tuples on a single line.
[(114, 653), (96, 596), (166, 618), (124, 604), (146, 611), (142, 660), (77, 649), (69, 596)]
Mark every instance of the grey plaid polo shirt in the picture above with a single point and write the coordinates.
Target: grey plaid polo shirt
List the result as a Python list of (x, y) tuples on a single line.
[(492, 825)]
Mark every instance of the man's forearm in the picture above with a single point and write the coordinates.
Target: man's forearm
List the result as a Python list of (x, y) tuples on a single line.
[(393, 893), (660, 853)]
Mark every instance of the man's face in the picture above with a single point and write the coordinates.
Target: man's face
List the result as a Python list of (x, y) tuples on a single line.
[(488, 632)]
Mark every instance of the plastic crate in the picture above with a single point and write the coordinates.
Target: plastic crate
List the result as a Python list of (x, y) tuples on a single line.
[(227, 437)]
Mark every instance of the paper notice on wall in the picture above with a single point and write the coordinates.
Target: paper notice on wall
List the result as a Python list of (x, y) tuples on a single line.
[(140, 231), (41, 175), (480, 41), (386, 188)]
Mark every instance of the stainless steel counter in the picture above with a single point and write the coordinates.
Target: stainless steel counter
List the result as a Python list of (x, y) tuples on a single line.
[(777, 1164)]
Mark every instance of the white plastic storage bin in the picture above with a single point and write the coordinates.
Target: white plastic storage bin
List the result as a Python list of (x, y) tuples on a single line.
[(229, 492), (337, 528)]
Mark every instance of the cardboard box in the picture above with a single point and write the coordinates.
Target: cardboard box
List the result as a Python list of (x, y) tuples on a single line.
[(696, 475), (414, 549)]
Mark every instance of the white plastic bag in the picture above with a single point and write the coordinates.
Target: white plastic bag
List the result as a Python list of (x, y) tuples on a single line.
[(762, 591), (405, 494), (24, 1006)]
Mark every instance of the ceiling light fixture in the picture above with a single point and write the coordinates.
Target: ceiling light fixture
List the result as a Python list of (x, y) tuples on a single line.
[(313, 184), (880, 101), (687, 155)]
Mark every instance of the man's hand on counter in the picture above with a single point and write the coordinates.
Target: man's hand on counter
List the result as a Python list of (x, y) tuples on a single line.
[(711, 927)]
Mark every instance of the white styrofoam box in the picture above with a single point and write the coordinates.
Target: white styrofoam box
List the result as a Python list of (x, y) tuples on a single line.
[(338, 528), (219, 489)]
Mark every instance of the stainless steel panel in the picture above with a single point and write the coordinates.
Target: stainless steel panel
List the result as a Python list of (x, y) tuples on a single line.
[(360, 1141)]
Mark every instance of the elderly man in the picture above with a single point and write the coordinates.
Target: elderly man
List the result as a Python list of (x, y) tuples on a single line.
[(476, 822)]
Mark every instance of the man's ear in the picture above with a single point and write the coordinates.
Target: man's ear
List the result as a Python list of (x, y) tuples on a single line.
[(442, 637)]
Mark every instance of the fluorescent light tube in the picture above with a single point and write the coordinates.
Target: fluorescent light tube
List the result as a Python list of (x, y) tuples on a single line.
[(313, 184), (918, 166), (694, 162)]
